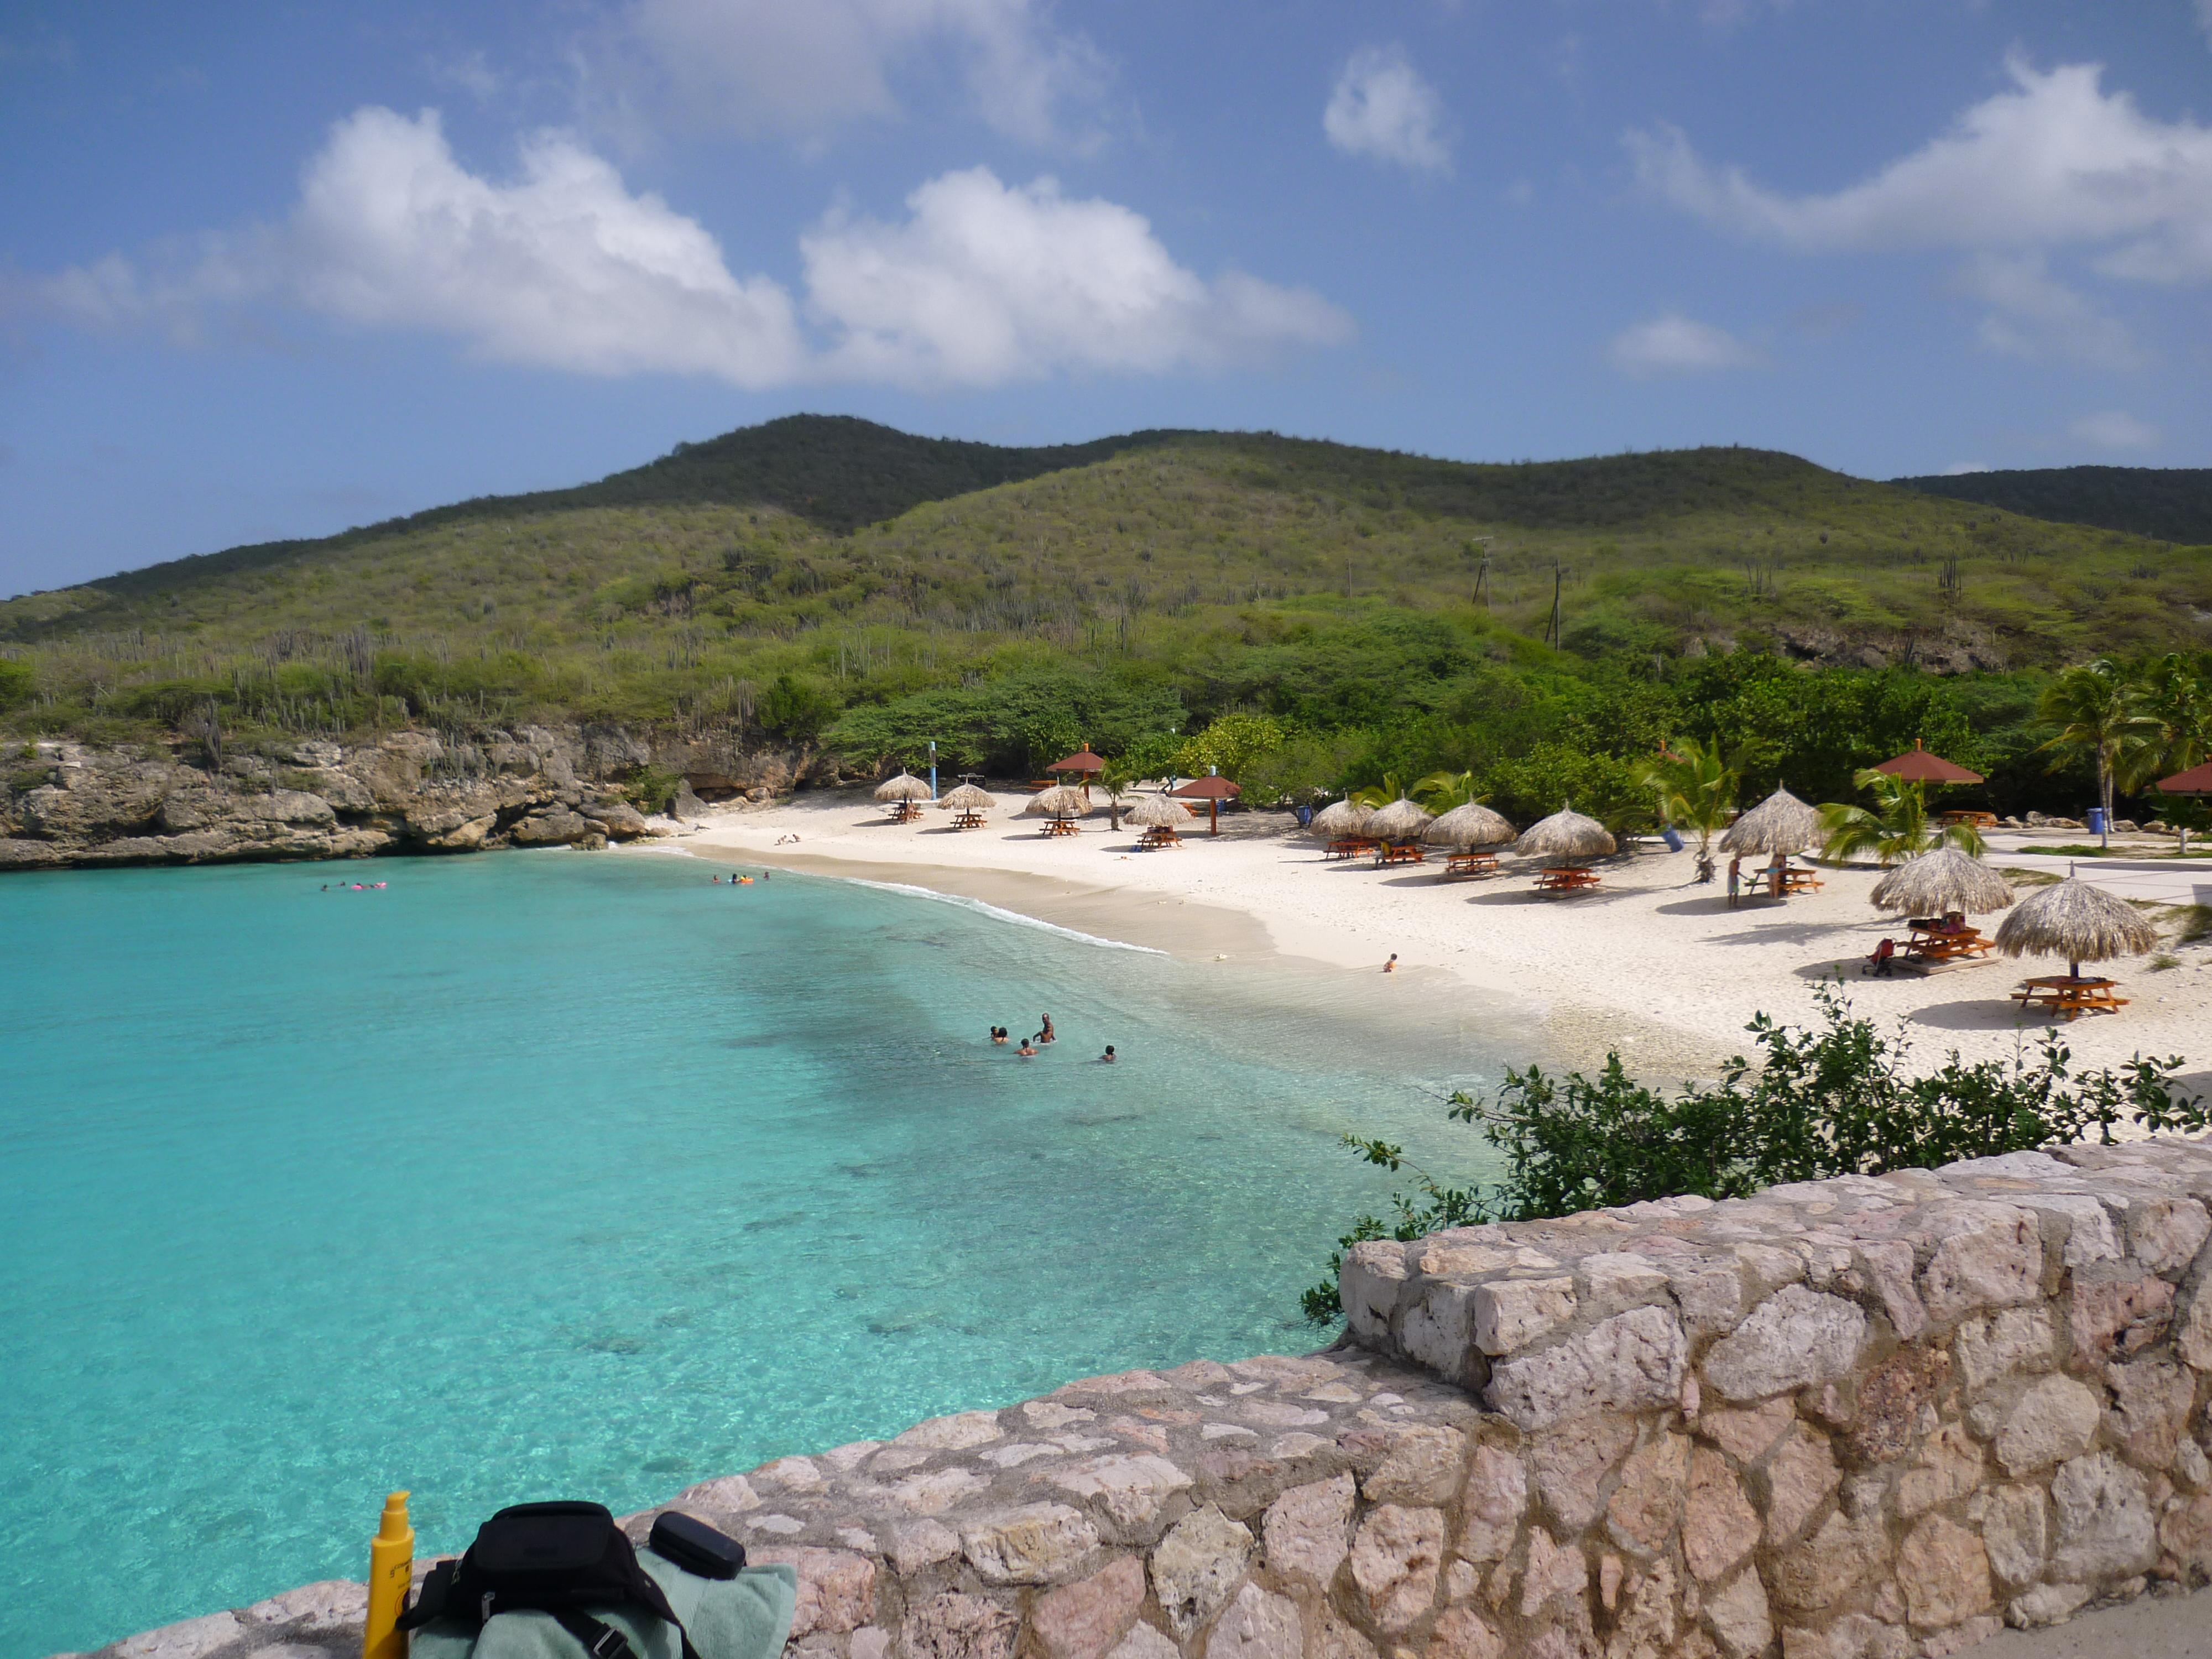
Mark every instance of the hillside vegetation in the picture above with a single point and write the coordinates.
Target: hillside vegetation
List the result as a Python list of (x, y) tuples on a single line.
[(2173, 504), (819, 577)]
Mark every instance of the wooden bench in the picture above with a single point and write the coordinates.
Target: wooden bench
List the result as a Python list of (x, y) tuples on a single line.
[(2063, 994), (1566, 878), (1158, 836), (968, 818), (1350, 846), (1471, 864), (1404, 852), (1059, 826)]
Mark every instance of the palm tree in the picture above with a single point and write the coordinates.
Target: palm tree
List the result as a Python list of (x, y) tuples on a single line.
[(2179, 705), (2098, 713), (1114, 782), (1895, 827), (1442, 791), (1380, 794), (1697, 789)]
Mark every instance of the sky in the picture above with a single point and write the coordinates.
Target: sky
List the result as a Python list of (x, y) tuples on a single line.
[(274, 270)]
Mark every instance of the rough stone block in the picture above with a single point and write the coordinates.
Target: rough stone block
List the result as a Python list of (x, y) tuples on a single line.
[(1987, 1256), (1496, 1499), (1036, 1544), (1425, 1465), (2056, 1419), (2165, 1234), (1739, 1617), (2104, 1523), (1396, 1560), (1573, 1461), (1460, 1633), (956, 1627), (1082, 1621), (1198, 1566), (1799, 1478), (1630, 1362), (1308, 1530), (1996, 1344), (1257, 1625), (1510, 1313), (2015, 1527), (1794, 1339), (1557, 1572), (1944, 1572), (1719, 1526), (1647, 1504)]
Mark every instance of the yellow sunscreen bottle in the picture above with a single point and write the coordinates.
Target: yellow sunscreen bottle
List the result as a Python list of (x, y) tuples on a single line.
[(391, 1569)]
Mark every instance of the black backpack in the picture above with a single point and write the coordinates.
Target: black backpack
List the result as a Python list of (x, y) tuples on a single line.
[(558, 1558)]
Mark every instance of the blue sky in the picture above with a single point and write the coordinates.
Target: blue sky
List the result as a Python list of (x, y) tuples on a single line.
[(274, 270)]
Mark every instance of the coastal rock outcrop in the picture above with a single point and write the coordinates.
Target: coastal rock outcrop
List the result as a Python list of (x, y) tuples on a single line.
[(64, 803), (1854, 1417)]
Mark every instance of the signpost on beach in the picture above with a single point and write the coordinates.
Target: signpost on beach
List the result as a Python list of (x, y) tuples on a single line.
[(933, 769)]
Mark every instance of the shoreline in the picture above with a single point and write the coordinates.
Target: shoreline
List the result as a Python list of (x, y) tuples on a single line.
[(1661, 971)]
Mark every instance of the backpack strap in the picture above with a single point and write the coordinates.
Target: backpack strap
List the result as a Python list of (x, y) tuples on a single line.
[(603, 1641)]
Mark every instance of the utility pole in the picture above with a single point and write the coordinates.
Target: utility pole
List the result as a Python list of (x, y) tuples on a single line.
[(1482, 582), (1551, 627)]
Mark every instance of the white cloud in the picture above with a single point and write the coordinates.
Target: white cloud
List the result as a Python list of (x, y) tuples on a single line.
[(565, 267), (2114, 429), (1381, 107), (804, 68), (2036, 316), (2053, 162), (1675, 344), (984, 284)]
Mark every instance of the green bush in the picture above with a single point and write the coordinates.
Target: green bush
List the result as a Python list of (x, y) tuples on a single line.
[(16, 679), (795, 709), (1835, 1100), (650, 788)]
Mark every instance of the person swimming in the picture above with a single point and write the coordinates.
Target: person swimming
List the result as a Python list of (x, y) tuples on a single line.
[(1044, 1034), (1108, 1057), (1028, 1050), (998, 1035)]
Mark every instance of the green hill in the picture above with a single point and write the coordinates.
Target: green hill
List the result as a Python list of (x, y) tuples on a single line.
[(818, 574), (2173, 504)]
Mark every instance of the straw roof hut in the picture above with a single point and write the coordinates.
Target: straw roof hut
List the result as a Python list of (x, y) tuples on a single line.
[(2077, 921), (1153, 811), (969, 798), (1061, 801), (1471, 825), (1780, 824), (904, 787), (1342, 818), (1401, 820), (1935, 884), (1564, 835)]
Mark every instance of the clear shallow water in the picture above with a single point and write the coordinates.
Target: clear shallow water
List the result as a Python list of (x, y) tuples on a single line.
[(545, 1175)]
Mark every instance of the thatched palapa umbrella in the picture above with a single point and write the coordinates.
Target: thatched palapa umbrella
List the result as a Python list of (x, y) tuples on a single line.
[(1936, 884), (1342, 818), (2077, 921), (1401, 820), (1564, 836), (1158, 812), (904, 787), (1468, 826), (968, 799), (1779, 825), (1060, 801)]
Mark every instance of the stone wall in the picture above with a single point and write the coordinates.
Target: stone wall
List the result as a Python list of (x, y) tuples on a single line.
[(1850, 1419)]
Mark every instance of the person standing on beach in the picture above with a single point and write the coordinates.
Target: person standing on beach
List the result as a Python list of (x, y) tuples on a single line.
[(1735, 879), (1391, 966)]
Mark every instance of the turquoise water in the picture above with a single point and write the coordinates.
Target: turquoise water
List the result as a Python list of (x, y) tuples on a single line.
[(545, 1175)]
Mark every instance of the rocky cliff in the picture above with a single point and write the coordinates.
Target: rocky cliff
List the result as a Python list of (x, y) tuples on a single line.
[(64, 803)]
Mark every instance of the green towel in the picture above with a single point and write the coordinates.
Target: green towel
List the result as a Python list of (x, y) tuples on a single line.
[(748, 1617)]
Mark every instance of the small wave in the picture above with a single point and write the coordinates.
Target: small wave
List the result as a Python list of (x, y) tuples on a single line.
[(994, 910)]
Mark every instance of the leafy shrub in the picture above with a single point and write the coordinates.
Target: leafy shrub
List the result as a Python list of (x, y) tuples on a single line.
[(650, 788), (795, 709), (1835, 1100), (15, 682)]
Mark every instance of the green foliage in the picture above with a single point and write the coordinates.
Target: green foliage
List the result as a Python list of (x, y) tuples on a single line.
[(1696, 788), (16, 679), (1019, 722), (2172, 503), (651, 789), (1837, 1099), (2099, 713), (1608, 787), (795, 708), (1230, 744), (1895, 827)]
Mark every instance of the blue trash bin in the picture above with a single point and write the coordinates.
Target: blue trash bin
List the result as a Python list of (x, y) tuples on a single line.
[(1672, 837), (2096, 820)]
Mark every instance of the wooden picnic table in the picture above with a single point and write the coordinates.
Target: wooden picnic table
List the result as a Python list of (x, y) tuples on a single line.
[(905, 811), (968, 818), (1471, 864), (1059, 826), (1403, 851), (2071, 995), (1795, 880), (1980, 820), (1934, 942), (1350, 846), (1156, 837), (1565, 878)]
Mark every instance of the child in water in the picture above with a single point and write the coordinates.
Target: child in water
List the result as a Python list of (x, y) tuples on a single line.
[(1108, 1057), (1027, 1051)]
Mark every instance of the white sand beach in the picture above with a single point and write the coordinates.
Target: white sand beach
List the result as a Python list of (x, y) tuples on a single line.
[(1650, 963)]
